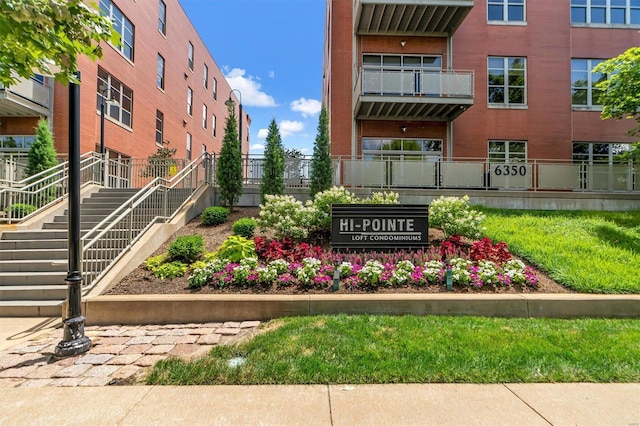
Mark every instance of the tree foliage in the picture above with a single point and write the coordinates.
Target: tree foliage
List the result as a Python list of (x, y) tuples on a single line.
[(621, 90), (42, 153), (273, 169), (321, 163), (229, 165), (159, 163), (36, 34)]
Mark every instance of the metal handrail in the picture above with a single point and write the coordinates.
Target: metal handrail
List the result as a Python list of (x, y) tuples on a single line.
[(159, 200)]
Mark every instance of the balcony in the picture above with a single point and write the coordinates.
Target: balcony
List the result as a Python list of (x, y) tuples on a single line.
[(438, 18), (413, 95), (27, 98)]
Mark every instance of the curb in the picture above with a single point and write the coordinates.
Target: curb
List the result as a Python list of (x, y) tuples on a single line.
[(178, 308)]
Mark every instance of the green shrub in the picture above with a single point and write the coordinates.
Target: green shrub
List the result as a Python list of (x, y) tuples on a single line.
[(320, 206), (170, 270), (454, 216), (285, 216), (187, 249), (214, 215), (235, 248), (244, 227), (382, 198), (154, 262), (19, 211)]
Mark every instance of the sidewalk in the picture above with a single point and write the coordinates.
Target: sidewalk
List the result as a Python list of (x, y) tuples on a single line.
[(83, 390)]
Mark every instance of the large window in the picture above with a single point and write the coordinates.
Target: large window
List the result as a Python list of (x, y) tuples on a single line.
[(621, 12), (190, 56), (189, 101), (406, 148), (159, 127), (162, 17), (160, 72), (111, 89), (507, 81), (405, 61), (507, 151), (505, 10), (121, 25), (583, 82), (590, 153)]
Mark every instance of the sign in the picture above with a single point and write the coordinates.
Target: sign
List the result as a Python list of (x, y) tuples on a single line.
[(173, 170), (381, 227)]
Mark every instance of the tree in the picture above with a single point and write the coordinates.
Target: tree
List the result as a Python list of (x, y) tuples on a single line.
[(44, 35), (273, 169), (229, 166), (160, 162), (42, 153), (321, 163)]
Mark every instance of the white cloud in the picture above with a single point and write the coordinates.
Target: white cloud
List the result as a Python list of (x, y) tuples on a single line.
[(308, 107), (249, 88), (257, 147), (272, 74), (305, 150), (288, 128), (262, 133)]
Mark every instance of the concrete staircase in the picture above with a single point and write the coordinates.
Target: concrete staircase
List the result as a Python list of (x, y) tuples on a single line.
[(34, 263)]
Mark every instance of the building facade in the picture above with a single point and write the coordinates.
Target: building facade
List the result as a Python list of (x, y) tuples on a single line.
[(160, 87), (495, 80)]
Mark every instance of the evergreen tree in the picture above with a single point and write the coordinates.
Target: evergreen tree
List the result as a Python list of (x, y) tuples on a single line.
[(42, 154), (229, 166), (321, 163), (273, 169)]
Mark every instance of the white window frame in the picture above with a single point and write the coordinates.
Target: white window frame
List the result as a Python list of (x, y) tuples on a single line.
[(591, 63), (590, 5), (162, 17), (119, 95), (160, 72), (159, 127), (506, 154), (213, 125), (191, 55), (205, 76), (215, 89), (205, 115), (189, 139), (505, 4), (190, 101), (506, 103), (114, 14)]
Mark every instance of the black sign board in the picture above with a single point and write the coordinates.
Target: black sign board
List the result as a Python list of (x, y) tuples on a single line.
[(381, 227)]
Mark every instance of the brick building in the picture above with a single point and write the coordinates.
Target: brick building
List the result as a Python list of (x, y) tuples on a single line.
[(473, 79), (160, 85)]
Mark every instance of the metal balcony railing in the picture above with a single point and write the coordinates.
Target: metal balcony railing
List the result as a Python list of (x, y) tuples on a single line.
[(416, 82), (28, 89)]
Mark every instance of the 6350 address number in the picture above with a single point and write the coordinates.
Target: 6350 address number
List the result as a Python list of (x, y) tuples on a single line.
[(510, 170)]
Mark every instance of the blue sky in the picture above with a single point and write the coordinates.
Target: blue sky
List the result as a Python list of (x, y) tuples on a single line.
[(272, 51)]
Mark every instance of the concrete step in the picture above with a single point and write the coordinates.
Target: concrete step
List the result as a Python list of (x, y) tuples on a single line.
[(10, 245), (33, 254), (93, 217), (33, 278), (31, 308), (34, 235), (29, 266), (84, 226), (34, 292)]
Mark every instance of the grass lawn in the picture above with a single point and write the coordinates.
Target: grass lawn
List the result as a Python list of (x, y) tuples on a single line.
[(588, 251), (410, 349)]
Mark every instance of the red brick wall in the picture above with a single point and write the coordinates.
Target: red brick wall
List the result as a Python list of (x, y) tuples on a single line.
[(140, 76)]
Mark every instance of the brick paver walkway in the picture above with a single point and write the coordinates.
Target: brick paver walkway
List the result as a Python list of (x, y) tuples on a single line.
[(118, 355)]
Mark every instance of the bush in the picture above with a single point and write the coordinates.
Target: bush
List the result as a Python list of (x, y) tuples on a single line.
[(285, 216), (187, 249), (235, 248), (454, 216), (215, 215), (244, 227), (320, 207), (170, 270), (154, 262), (382, 198), (18, 211)]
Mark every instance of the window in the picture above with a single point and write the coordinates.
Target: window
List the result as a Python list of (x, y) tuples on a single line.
[(119, 95), (204, 116), (121, 25), (507, 151), (189, 146), (589, 153), (190, 56), (213, 125), (162, 17), (189, 101), (159, 127), (160, 73), (507, 82), (206, 76), (583, 82), (215, 89), (621, 12), (408, 148), (505, 10), (204, 149)]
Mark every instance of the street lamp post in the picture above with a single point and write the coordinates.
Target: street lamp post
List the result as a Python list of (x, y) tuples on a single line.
[(230, 103), (74, 342)]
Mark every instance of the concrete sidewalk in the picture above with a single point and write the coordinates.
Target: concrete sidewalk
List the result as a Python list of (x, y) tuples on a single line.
[(79, 390)]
